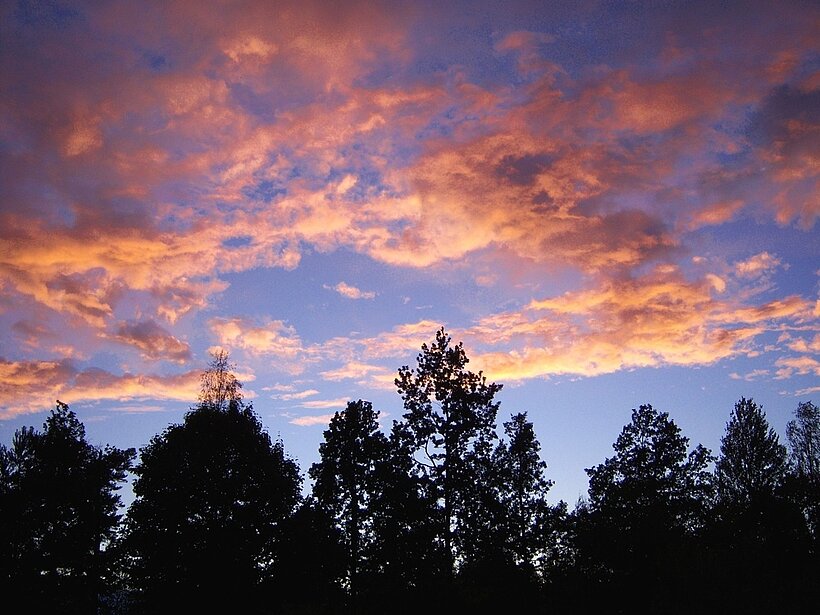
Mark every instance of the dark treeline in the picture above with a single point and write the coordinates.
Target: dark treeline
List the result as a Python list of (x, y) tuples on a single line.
[(446, 512)]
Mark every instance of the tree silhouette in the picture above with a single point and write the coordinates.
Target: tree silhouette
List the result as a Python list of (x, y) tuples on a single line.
[(759, 537), (406, 559), (313, 563), (528, 518), (58, 511), (212, 495), (752, 462), (450, 416), (803, 433), (645, 503), (345, 480)]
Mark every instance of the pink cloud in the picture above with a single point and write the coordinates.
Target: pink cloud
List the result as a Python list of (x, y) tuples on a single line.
[(153, 341)]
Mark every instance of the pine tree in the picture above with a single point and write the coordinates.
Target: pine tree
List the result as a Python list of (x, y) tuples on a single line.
[(752, 462), (345, 481), (450, 416)]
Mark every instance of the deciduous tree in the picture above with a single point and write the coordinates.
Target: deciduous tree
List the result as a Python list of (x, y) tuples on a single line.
[(212, 495)]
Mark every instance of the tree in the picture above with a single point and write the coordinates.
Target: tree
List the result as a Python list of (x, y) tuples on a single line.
[(219, 386), (646, 504), (752, 462), (345, 480), (406, 558), (760, 537), (803, 434), (527, 515), (313, 564), (651, 476), (450, 416), (59, 510), (212, 495), (508, 542)]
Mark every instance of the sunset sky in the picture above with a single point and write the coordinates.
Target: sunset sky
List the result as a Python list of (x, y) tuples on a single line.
[(609, 203)]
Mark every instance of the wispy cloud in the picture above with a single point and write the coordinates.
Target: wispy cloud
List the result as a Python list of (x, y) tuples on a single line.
[(299, 395), (32, 386), (351, 292), (340, 402), (309, 421)]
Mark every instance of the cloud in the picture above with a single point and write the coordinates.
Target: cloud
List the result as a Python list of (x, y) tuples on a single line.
[(757, 265), (660, 319), (250, 47), (311, 420), (791, 366), (273, 338), (715, 213), (351, 292), (152, 340), (751, 376), (299, 395), (351, 370), (802, 345), (33, 386), (218, 141), (807, 391), (339, 402)]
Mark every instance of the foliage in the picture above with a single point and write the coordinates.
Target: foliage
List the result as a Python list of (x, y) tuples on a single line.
[(752, 462), (59, 510), (439, 511), (651, 478), (450, 419), (528, 519), (406, 558), (212, 495), (803, 433), (646, 506), (345, 479), (758, 536), (219, 386)]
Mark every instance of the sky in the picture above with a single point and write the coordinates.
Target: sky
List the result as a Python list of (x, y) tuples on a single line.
[(609, 203)]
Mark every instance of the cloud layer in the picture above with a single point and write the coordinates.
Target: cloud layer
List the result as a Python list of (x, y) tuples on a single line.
[(151, 156)]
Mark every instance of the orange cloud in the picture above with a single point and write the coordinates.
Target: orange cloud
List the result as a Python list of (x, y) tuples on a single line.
[(299, 395), (661, 319), (339, 402), (757, 265), (790, 366), (715, 213), (274, 338), (802, 345), (33, 386), (351, 370)]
